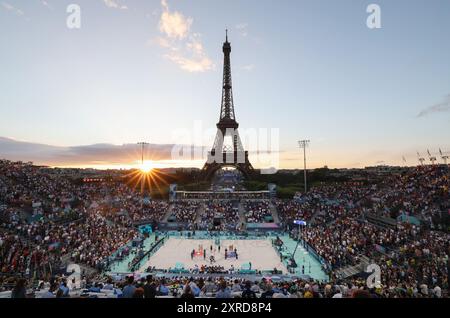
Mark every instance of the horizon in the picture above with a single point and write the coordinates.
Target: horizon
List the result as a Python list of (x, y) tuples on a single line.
[(153, 72), (156, 167), (172, 164)]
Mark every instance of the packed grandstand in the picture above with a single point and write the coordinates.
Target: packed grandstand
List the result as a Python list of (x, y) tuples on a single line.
[(48, 222)]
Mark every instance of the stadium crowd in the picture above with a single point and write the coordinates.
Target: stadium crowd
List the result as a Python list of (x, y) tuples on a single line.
[(226, 211), (215, 287), (185, 211), (256, 211), (47, 219)]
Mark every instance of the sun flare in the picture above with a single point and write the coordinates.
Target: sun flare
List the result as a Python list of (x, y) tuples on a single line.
[(146, 167)]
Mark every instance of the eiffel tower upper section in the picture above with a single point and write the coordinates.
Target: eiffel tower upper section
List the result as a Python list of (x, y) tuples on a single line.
[(227, 115)]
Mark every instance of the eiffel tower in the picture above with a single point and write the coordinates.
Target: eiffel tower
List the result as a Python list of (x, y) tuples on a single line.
[(224, 154)]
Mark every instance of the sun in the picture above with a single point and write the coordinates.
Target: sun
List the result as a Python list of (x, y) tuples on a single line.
[(146, 167)]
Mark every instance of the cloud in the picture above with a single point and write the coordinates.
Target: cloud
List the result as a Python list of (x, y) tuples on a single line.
[(242, 28), (183, 47), (11, 8), (190, 65), (114, 4), (90, 155), (441, 107), (174, 25)]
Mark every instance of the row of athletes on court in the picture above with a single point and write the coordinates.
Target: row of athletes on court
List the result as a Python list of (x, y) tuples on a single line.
[(232, 253)]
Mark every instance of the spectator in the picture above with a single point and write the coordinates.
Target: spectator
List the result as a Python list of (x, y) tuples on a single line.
[(50, 292), (129, 289), (149, 288), (19, 290), (248, 292), (224, 291), (187, 293)]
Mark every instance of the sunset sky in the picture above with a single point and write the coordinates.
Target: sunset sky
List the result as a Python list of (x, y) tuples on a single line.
[(152, 71)]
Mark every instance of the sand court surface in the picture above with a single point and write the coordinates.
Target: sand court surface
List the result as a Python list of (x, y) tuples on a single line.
[(259, 252)]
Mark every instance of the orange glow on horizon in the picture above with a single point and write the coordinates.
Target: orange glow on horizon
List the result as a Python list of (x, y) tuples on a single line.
[(147, 166)]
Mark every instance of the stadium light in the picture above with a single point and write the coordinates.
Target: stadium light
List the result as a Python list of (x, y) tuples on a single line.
[(142, 144), (303, 144), (432, 158), (421, 159), (443, 157)]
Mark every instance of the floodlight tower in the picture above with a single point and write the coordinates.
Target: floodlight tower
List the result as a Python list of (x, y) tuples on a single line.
[(421, 159), (444, 157), (142, 144), (432, 158), (303, 144)]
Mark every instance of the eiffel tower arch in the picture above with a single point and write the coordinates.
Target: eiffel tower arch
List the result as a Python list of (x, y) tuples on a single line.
[(231, 153)]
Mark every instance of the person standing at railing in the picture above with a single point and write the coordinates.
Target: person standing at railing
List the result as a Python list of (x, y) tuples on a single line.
[(19, 290)]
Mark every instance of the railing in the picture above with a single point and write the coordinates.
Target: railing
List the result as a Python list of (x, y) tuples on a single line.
[(351, 270), (153, 249), (228, 235), (316, 255), (380, 220)]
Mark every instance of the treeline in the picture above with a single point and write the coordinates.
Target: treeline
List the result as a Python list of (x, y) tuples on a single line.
[(289, 183)]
